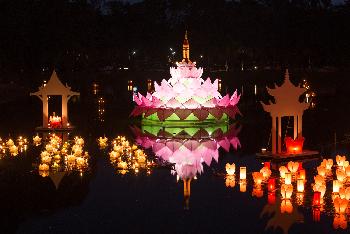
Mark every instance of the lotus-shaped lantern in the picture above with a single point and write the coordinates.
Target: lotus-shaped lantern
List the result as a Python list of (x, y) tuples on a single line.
[(257, 177), (230, 169), (286, 191), (266, 172), (283, 170), (340, 205), (340, 160), (293, 166), (294, 146)]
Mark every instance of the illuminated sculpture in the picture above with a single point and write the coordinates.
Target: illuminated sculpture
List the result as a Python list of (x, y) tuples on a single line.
[(286, 104), (186, 97), (55, 87)]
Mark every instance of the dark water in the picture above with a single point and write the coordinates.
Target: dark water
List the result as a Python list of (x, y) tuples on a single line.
[(104, 201)]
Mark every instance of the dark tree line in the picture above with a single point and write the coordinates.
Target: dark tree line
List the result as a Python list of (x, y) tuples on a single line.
[(82, 34)]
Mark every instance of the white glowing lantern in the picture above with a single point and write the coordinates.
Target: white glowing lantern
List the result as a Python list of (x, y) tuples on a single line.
[(300, 185), (341, 176), (340, 205), (257, 177), (288, 178), (336, 186), (322, 170), (283, 170), (286, 191), (242, 173), (266, 172), (230, 169), (319, 188), (293, 166)]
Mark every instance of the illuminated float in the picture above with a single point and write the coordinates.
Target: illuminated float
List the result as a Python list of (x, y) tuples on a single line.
[(187, 148), (287, 104), (54, 87), (186, 97)]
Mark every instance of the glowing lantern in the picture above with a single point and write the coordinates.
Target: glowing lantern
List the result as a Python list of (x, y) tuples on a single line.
[(10, 143), (243, 186), (288, 178), (336, 186), (340, 205), (340, 160), (271, 184), (300, 198), (322, 171), (347, 171), (319, 188), (46, 159), (267, 164), (344, 193), (286, 206), (346, 164), (327, 163), (257, 192), (294, 146), (283, 170), (266, 172), (130, 86), (341, 176), (286, 191), (13, 150), (271, 198), (37, 140), (300, 185), (55, 121), (81, 162), (102, 142), (44, 167), (257, 177), (230, 181), (340, 222), (230, 169), (316, 214), (242, 173), (122, 165), (293, 166), (317, 198), (319, 180), (302, 174), (71, 159)]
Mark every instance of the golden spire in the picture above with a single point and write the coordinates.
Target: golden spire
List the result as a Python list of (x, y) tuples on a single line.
[(186, 50), (187, 192)]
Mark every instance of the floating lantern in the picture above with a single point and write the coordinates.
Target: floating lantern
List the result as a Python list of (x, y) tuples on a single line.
[(286, 191), (230, 181), (36, 140), (80, 162), (317, 198), (346, 164), (230, 169), (271, 184), (13, 150), (344, 193), (286, 206), (300, 185), (257, 192), (102, 142), (340, 160), (266, 172), (302, 174), (293, 166), (322, 171), (319, 188), (341, 176), (340, 205), (242, 173), (122, 165), (257, 177), (271, 198), (347, 171), (10, 143), (288, 178), (283, 170), (71, 159), (340, 221), (336, 186), (294, 146), (267, 164), (46, 159), (327, 163), (319, 180), (44, 167), (243, 186)]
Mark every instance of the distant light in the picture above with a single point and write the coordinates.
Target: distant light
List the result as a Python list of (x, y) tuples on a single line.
[(134, 89), (126, 68), (171, 49), (201, 56), (173, 52), (255, 67), (134, 52)]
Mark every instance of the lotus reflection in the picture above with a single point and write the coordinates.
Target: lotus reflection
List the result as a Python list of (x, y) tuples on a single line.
[(188, 148)]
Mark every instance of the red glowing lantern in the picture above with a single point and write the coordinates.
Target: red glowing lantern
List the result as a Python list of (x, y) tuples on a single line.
[(317, 198), (271, 198), (300, 166), (268, 165), (294, 146), (316, 214), (271, 184), (55, 121)]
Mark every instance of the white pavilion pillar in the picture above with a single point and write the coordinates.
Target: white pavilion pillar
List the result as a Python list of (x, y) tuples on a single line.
[(300, 125), (295, 129), (273, 134), (279, 150), (64, 111), (45, 111)]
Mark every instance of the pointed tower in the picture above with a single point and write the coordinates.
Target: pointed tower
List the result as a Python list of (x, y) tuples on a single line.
[(186, 50)]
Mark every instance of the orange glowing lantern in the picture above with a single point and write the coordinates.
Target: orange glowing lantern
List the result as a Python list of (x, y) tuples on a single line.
[(340, 160), (286, 206), (293, 166), (230, 169), (322, 171), (230, 181), (302, 174), (320, 188), (340, 205), (286, 191), (294, 146), (257, 177), (300, 185), (327, 163), (271, 184), (344, 193), (300, 198), (257, 192), (317, 198), (288, 178), (242, 173), (243, 186), (266, 172), (340, 222), (319, 180), (336, 186), (341, 176), (347, 171)]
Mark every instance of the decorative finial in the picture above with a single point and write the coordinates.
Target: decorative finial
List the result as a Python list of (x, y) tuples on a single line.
[(186, 49)]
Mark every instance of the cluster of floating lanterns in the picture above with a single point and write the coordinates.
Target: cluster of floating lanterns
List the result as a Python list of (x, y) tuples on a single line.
[(126, 157), (67, 156), (13, 147)]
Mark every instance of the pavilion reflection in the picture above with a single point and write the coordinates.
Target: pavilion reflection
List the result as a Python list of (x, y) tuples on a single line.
[(188, 148)]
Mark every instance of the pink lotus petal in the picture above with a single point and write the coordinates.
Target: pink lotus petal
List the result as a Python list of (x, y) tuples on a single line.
[(224, 143), (173, 103), (225, 101), (191, 104), (235, 142)]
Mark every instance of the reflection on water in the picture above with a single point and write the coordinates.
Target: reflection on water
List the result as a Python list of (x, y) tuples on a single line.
[(187, 148)]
